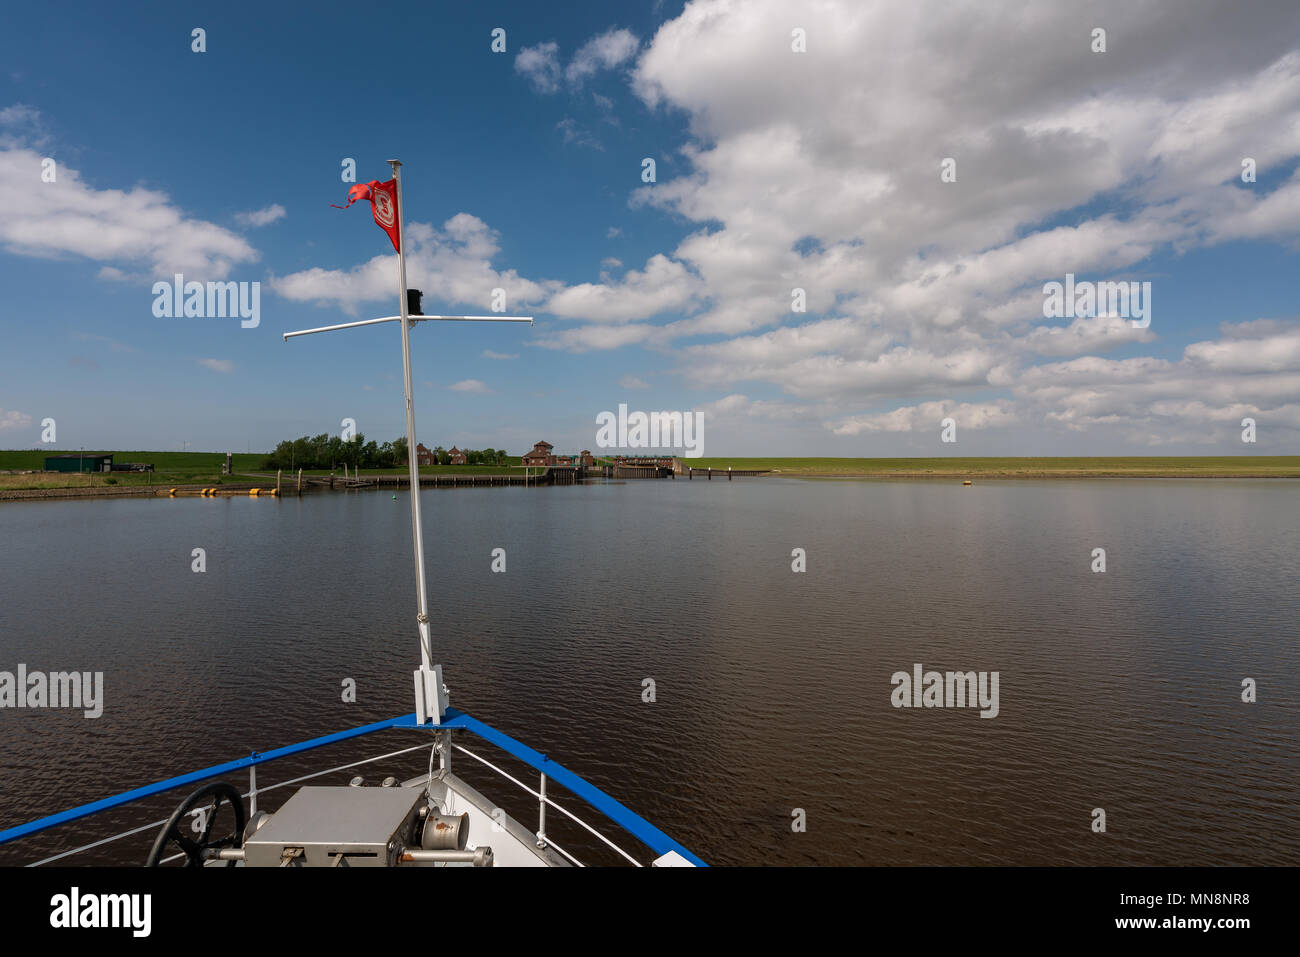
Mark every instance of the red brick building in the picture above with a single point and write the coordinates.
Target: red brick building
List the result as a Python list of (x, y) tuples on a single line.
[(456, 455), (540, 455), (423, 456)]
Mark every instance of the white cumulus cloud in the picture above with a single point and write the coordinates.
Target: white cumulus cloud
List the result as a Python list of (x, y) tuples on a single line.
[(262, 217)]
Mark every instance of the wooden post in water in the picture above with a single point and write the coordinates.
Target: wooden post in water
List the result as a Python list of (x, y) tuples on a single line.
[(300, 482), (728, 473), (278, 474)]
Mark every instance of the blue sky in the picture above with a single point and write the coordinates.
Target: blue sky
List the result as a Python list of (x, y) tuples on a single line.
[(523, 171)]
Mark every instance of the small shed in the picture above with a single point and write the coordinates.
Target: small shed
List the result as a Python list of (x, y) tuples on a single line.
[(79, 462)]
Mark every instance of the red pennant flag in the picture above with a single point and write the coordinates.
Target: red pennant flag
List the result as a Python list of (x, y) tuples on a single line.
[(383, 203)]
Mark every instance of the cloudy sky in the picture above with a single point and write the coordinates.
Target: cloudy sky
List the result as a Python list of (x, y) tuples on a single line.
[(796, 146)]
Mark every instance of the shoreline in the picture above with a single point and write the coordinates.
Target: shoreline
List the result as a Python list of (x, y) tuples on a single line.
[(1046, 474), (112, 491), (1019, 467), (240, 490)]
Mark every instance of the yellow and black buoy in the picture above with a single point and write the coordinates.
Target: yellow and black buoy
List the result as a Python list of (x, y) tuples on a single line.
[(967, 482)]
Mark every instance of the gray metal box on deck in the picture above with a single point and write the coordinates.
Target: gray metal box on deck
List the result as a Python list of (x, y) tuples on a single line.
[(367, 826)]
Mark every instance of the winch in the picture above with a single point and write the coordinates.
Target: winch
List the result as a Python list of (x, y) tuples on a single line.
[(328, 827)]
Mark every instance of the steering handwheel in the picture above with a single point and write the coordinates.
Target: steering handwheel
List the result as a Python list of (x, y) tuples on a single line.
[(194, 850)]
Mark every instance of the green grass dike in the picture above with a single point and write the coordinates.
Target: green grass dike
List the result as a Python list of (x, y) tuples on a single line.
[(1195, 466), (170, 468), (20, 470), (204, 468)]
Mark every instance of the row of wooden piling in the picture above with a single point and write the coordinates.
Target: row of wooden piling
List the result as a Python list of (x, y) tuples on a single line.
[(708, 472)]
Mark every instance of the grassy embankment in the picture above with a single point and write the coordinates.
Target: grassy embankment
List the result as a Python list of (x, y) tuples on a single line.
[(182, 468), (1218, 466), (172, 468), (204, 468)]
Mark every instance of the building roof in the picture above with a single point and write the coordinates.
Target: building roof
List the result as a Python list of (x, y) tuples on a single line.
[(543, 445)]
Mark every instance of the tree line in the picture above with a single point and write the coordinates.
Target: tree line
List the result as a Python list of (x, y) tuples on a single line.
[(474, 456), (326, 451)]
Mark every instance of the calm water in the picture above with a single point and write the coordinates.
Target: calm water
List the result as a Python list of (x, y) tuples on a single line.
[(1119, 690)]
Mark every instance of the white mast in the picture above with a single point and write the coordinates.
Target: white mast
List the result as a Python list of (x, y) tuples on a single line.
[(430, 692), (412, 459)]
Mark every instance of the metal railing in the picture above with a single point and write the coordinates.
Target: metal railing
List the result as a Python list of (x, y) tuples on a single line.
[(642, 830), (542, 802)]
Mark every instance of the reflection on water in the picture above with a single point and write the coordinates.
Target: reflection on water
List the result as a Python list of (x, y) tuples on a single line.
[(1119, 690)]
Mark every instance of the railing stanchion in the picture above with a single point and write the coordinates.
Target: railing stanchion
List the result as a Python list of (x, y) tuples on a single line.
[(541, 814), (443, 739), (252, 790)]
